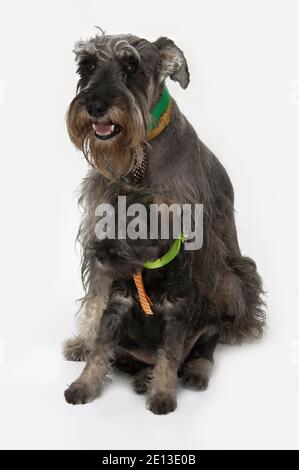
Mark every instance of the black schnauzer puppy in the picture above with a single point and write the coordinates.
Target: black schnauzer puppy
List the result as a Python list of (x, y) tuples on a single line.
[(177, 339)]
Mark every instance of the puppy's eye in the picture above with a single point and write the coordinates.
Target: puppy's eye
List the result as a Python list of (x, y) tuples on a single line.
[(117, 254)]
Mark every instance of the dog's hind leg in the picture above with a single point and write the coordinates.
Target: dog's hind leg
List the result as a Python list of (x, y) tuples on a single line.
[(244, 316), (198, 366), (78, 348), (75, 349)]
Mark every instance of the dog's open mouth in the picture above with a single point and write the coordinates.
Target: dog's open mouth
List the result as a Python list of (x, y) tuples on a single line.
[(105, 131)]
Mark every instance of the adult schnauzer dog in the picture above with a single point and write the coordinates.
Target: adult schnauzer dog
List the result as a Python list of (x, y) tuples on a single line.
[(126, 124), (162, 330)]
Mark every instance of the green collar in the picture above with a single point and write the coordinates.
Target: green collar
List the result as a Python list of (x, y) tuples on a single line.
[(160, 108), (169, 256)]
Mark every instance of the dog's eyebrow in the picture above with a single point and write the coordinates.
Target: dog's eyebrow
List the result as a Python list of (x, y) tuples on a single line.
[(85, 57), (85, 54)]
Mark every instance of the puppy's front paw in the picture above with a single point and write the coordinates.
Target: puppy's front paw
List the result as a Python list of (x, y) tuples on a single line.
[(162, 403), (78, 393)]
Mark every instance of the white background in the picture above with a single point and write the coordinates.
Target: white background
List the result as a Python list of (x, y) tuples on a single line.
[(244, 102)]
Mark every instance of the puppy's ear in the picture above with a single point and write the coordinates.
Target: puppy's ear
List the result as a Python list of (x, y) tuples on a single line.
[(173, 62)]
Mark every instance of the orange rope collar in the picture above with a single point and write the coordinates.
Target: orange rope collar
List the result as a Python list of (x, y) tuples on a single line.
[(144, 299)]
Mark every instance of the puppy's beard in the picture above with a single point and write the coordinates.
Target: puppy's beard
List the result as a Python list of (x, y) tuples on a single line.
[(100, 265)]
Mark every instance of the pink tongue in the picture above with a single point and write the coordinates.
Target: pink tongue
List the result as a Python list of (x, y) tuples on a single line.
[(103, 129)]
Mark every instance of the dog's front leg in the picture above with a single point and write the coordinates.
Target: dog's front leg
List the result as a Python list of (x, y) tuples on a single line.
[(163, 382), (94, 376)]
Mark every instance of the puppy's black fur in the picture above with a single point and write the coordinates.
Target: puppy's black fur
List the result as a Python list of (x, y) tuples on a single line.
[(173, 288), (180, 336)]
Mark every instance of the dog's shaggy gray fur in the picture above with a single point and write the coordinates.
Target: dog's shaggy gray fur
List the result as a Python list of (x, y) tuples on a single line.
[(176, 160)]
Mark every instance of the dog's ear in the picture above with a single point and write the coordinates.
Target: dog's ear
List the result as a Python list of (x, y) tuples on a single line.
[(173, 62)]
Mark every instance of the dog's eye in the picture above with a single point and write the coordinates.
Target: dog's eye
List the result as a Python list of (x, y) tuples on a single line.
[(86, 67), (130, 65)]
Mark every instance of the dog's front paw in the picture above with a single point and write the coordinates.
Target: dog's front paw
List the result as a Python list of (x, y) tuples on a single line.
[(162, 403), (78, 393), (74, 349)]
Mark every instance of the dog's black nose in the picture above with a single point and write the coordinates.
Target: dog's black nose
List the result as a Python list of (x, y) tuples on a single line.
[(96, 109), (101, 255)]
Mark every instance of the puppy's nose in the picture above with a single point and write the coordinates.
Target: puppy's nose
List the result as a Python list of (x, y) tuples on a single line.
[(96, 109), (101, 255)]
